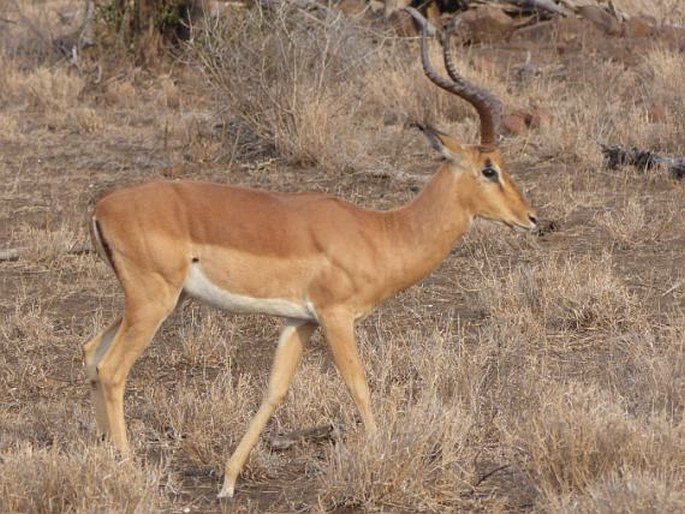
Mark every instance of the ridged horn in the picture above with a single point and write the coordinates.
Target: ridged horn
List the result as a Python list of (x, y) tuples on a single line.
[(488, 106)]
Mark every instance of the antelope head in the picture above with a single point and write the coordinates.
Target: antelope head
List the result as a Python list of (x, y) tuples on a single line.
[(486, 186)]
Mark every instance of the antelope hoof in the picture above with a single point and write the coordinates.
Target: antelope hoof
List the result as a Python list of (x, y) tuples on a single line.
[(227, 491)]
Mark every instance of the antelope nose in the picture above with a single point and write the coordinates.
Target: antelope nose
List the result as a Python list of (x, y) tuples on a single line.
[(533, 220)]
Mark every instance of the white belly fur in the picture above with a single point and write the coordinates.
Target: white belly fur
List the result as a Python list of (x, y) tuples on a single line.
[(200, 287)]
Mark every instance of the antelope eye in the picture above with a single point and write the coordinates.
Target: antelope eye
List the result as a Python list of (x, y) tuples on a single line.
[(490, 173)]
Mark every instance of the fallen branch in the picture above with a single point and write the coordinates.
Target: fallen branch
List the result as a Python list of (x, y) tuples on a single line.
[(616, 156), (541, 5), (14, 254), (331, 431)]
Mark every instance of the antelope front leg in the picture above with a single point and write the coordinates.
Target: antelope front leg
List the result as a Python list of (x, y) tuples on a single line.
[(338, 327), (290, 345)]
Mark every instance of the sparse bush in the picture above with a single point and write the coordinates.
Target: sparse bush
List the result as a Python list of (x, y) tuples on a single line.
[(628, 492), (44, 89), (632, 224), (81, 479), (582, 437), (292, 80), (560, 294), (207, 427), (417, 462)]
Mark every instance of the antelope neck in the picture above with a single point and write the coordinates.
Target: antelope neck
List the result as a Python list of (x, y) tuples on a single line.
[(422, 233)]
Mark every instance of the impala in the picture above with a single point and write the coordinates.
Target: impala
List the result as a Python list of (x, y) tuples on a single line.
[(312, 259)]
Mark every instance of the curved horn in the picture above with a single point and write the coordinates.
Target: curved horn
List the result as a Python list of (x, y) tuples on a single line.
[(488, 107)]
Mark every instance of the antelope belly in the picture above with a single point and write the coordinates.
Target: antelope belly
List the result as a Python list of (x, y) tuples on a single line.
[(200, 287)]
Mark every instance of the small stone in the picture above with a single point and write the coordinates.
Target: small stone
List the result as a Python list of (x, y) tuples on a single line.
[(539, 117), (638, 26), (352, 8), (601, 18), (514, 124), (657, 113), (403, 24), (484, 24)]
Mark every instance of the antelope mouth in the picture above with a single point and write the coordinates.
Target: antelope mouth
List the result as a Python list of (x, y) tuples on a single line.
[(521, 227)]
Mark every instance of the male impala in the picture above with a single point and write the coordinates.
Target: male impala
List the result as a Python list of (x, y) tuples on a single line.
[(312, 259)]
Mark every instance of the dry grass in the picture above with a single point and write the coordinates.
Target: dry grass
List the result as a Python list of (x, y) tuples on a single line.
[(78, 479), (537, 374)]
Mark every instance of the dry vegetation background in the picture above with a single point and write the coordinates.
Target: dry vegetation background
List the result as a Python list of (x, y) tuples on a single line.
[(537, 374)]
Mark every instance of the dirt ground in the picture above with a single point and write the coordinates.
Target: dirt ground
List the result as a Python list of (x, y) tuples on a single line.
[(528, 373)]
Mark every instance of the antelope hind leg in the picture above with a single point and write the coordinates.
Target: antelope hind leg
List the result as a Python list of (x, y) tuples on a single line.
[(93, 351)]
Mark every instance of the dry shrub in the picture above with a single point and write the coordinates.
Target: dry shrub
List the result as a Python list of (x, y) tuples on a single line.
[(317, 395), (665, 68), (630, 492), (627, 226), (79, 120), (420, 458), (47, 245), (45, 89), (208, 339), (82, 479), (561, 293), (28, 322), (54, 92), (397, 91), (668, 11), (120, 93), (586, 111), (648, 366), (630, 224), (291, 79), (168, 95), (28, 29), (327, 92), (208, 426), (415, 462), (10, 131), (582, 437), (662, 69)]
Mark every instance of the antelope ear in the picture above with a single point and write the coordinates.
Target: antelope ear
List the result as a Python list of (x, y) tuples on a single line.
[(448, 147)]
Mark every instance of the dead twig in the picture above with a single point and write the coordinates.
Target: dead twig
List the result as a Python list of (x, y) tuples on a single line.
[(490, 473), (673, 287)]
